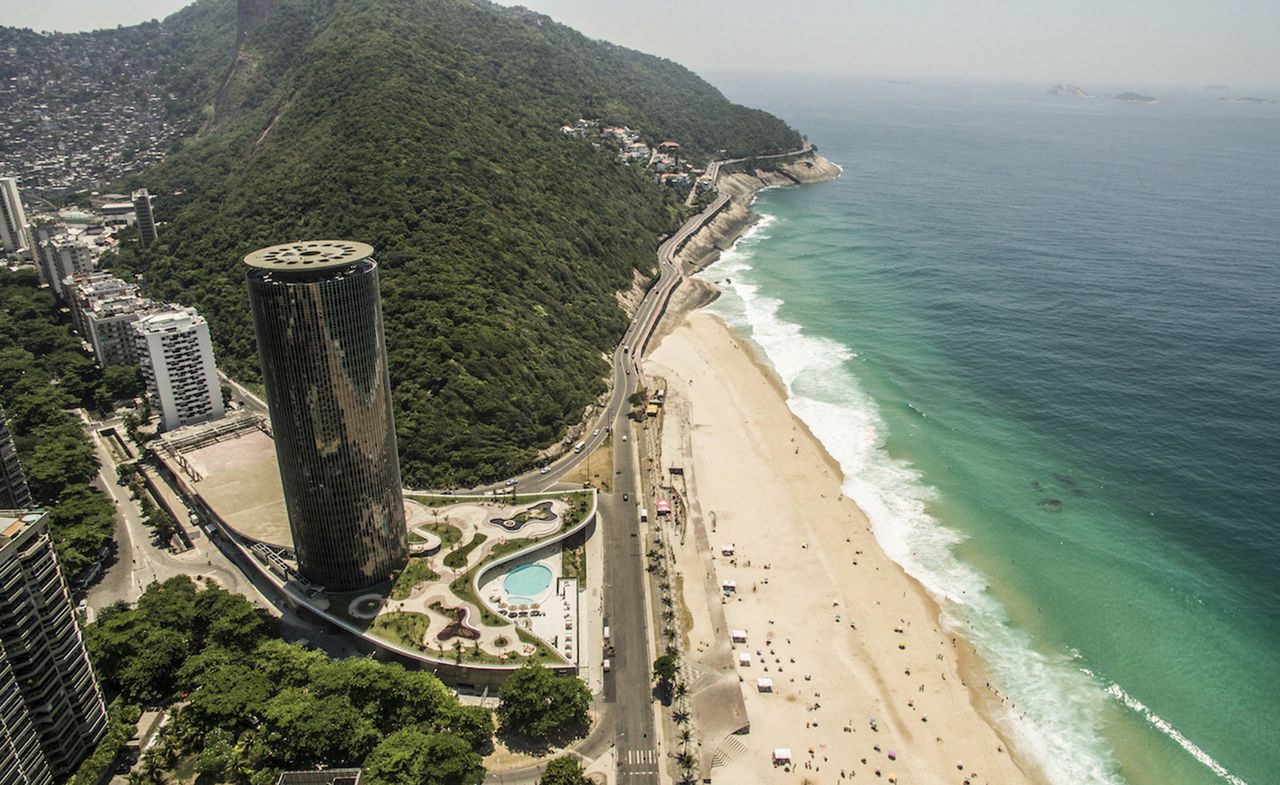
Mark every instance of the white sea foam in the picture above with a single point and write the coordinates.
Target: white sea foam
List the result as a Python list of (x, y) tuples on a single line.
[(1117, 692), (1053, 709)]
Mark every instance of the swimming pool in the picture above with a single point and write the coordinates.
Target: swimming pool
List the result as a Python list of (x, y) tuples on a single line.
[(527, 582)]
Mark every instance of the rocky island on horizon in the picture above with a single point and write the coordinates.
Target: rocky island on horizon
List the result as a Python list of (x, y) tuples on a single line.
[(1068, 91)]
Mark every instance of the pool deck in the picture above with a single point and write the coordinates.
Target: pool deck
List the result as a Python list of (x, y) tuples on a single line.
[(556, 619)]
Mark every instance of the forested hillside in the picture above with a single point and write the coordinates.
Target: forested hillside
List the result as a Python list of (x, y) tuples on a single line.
[(430, 129)]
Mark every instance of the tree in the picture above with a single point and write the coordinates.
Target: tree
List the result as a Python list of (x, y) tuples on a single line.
[(302, 730), (472, 724), (536, 703), (565, 770), (411, 757), (664, 670), (119, 382), (227, 697)]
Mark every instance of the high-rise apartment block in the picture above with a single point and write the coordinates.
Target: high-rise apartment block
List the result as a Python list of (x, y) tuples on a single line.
[(14, 235), (13, 483), (44, 652), (318, 316), (103, 310), (176, 357), (146, 219), (21, 759), (65, 257)]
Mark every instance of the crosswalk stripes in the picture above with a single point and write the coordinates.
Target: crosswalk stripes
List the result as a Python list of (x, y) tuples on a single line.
[(642, 757)]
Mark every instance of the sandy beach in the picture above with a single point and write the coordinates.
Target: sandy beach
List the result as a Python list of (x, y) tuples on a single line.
[(865, 682)]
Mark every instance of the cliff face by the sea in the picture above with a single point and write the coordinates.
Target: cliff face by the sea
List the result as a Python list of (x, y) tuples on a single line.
[(736, 218)]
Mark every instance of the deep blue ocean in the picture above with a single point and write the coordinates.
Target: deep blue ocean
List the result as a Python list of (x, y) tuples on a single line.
[(1042, 337)]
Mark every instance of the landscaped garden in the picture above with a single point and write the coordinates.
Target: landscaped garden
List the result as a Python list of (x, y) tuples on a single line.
[(432, 606)]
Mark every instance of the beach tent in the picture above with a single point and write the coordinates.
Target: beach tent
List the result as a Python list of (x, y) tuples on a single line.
[(727, 550), (729, 585), (662, 506), (739, 636), (764, 684), (781, 756), (744, 659)]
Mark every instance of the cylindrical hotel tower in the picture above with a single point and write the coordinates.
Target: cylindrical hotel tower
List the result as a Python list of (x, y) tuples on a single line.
[(318, 316)]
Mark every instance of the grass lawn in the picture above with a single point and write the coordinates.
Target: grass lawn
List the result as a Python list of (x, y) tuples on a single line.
[(404, 628), (418, 571), (458, 556)]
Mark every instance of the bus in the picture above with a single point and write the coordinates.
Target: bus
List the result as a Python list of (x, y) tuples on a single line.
[(579, 446)]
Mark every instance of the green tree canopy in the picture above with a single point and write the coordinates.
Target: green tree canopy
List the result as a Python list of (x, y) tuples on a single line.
[(536, 703), (564, 770), (664, 669), (411, 757)]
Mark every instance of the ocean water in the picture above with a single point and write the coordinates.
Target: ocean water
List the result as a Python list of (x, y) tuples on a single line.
[(1042, 337)]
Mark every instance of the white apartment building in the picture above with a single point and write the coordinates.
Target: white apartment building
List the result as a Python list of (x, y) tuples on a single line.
[(103, 309), (176, 357), (14, 235), (65, 257)]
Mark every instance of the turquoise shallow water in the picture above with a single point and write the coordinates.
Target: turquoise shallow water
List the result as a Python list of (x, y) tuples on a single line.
[(1042, 337)]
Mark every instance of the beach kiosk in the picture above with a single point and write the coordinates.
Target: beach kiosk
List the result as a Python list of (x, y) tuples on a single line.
[(727, 550), (764, 684), (662, 507), (782, 756), (744, 658), (729, 585), (738, 636)]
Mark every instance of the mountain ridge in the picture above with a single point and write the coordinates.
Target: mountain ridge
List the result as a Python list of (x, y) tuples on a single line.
[(430, 128)]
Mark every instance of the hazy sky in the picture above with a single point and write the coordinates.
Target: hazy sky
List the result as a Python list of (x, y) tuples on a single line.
[(1130, 42)]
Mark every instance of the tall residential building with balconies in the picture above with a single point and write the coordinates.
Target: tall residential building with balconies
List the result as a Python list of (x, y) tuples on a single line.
[(103, 310), (14, 234), (14, 493), (318, 317), (176, 357), (62, 258), (21, 759), (43, 645), (146, 219)]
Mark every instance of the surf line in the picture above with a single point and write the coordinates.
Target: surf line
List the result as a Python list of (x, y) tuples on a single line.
[(1117, 692)]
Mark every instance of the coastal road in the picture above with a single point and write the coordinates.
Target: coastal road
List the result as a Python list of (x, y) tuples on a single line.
[(627, 684)]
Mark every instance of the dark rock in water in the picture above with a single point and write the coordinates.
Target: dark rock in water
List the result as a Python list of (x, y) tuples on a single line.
[(1036, 486), (1065, 479), (1136, 98), (1077, 491), (1051, 505)]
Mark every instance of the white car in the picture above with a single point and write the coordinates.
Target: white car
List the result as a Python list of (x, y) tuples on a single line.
[(596, 432), (510, 483), (544, 470)]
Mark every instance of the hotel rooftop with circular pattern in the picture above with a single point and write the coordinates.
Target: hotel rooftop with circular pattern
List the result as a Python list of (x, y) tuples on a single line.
[(309, 256)]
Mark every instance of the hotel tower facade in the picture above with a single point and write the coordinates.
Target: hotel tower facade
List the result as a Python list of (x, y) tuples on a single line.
[(318, 317)]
